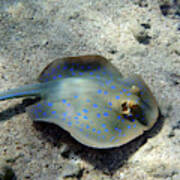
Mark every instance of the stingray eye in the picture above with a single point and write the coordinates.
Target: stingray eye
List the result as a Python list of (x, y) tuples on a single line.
[(130, 108), (125, 108)]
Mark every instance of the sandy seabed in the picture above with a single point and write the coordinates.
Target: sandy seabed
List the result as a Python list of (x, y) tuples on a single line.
[(140, 36)]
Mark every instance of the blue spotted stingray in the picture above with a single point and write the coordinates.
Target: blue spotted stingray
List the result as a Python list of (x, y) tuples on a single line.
[(88, 97)]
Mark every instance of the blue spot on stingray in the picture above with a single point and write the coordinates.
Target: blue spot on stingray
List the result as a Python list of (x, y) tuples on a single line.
[(80, 73), (116, 129), (130, 115), (91, 73), (124, 90), (53, 112), (99, 91), (98, 131), (113, 87), (105, 114), (59, 75), (119, 117), (88, 100), (87, 126), (81, 129), (69, 123), (35, 112), (68, 104), (119, 130), (98, 115), (32, 110), (105, 92), (110, 109), (121, 92), (89, 67), (129, 126), (54, 77), (103, 125), (63, 100), (85, 110), (44, 114), (73, 73), (93, 129), (50, 104), (53, 70), (129, 94), (134, 125), (95, 105), (122, 120), (76, 96), (71, 69), (106, 130), (104, 72), (110, 103), (82, 67), (103, 137), (108, 82), (39, 110), (65, 67), (76, 118), (64, 114), (79, 114), (85, 117), (39, 105), (117, 97), (112, 138), (63, 119)]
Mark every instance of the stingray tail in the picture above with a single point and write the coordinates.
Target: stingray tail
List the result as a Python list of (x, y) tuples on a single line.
[(26, 90)]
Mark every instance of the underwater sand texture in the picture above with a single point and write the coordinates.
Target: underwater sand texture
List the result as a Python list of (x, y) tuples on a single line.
[(137, 37)]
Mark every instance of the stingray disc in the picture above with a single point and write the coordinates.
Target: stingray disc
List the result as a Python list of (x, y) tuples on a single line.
[(88, 97)]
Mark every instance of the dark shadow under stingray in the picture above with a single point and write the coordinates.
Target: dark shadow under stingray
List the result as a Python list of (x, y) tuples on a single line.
[(105, 160), (17, 109)]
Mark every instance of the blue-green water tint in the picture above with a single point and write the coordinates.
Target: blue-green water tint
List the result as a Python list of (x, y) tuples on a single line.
[(88, 97)]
